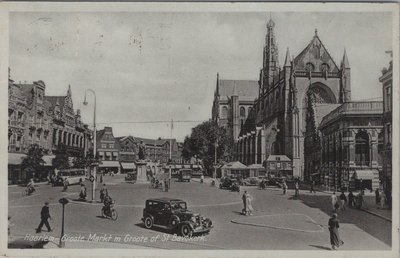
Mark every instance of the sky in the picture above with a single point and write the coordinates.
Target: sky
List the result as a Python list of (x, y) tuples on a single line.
[(161, 66)]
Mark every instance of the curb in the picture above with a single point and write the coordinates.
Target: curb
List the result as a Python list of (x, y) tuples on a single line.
[(377, 215)]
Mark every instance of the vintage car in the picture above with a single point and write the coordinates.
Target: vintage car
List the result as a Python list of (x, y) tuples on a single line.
[(173, 214), (185, 175), (227, 182), (131, 177)]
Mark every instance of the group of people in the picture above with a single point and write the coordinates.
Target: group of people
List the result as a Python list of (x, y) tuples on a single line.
[(247, 206), (351, 200)]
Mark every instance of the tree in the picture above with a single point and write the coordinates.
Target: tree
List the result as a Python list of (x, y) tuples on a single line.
[(202, 142), (61, 160), (83, 162), (33, 161)]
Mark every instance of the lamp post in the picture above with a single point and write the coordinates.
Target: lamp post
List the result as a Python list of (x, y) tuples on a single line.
[(63, 201), (94, 141)]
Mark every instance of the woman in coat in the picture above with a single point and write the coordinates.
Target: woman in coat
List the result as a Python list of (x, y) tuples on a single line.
[(334, 232)]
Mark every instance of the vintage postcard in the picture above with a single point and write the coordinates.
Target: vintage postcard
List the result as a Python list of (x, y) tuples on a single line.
[(201, 129)]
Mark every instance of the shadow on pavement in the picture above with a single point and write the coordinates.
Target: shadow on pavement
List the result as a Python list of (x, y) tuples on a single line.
[(372, 225), (156, 229), (321, 247)]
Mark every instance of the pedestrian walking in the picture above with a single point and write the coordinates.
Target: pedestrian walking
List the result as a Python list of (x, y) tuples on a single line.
[(343, 201), (377, 197), (382, 199), (101, 178), (334, 201), (312, 187), (244, 199), (360, 200), (284, 186), (249, 206), (103, 193), (83, 194), (44, 215), (65, 184), (351, 199), (333, 223), (296, 189)]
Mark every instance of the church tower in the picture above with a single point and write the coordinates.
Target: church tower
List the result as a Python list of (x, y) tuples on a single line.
[(270, 58)]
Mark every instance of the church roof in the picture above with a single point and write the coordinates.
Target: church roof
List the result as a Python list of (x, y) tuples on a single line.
[(317, 54), (322, 110), (245, 89)]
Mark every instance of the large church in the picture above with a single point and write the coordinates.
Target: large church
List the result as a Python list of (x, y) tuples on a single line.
[(292, 100)]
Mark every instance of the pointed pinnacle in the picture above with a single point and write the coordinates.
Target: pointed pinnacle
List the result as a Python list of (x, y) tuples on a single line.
[(287, 59), (345, 61)]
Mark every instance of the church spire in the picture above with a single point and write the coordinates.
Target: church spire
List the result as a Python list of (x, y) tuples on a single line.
[(69, 90), (345, 61), (270, 57), (287, 59)]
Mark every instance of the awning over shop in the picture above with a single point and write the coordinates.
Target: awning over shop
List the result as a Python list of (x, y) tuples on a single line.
[(126, 165), (48, 160), (15, 158), (186, 166), (109, 164), (367, 174), (234, 165), (196, 166), (178, 166)]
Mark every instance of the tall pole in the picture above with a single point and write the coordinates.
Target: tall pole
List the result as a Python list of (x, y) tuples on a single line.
[(170, 153), (94, 142), (62, 244)]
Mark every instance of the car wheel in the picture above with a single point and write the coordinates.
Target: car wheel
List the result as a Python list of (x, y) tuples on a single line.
[(174, 222), (148, 222), (186, 230)]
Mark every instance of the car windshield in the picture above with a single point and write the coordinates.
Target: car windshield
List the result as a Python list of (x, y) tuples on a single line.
[(178, 205)]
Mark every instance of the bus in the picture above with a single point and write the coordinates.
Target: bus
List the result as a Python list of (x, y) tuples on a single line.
[(74, 176)]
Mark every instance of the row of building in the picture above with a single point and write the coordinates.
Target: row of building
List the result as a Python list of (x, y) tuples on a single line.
[(51, 121), (304, 110)]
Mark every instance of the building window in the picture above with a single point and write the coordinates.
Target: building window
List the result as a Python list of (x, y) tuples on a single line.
[(309, 67), (111, 146), (362, 149), (104, 146), (242, 112), (224, 112)]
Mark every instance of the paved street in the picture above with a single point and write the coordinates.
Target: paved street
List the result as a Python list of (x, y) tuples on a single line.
[(279, 221)]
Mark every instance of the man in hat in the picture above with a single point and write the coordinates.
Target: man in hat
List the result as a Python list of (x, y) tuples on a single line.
[(45, 215)]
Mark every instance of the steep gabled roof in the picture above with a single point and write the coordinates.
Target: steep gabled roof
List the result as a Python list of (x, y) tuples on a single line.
[(244, 89), (315, 53)]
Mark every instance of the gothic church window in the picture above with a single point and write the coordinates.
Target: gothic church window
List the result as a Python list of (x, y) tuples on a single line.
[(310, 67), (242, 112), (224, 112), (324, 67)]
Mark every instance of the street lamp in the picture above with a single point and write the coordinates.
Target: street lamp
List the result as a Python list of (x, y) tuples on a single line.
[(94, 141), (63, 201)]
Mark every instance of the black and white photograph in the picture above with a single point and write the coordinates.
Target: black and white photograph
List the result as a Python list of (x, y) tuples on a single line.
[(215, 129)]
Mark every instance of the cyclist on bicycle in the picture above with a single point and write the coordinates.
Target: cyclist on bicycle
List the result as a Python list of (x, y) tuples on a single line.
[(30, 187)]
